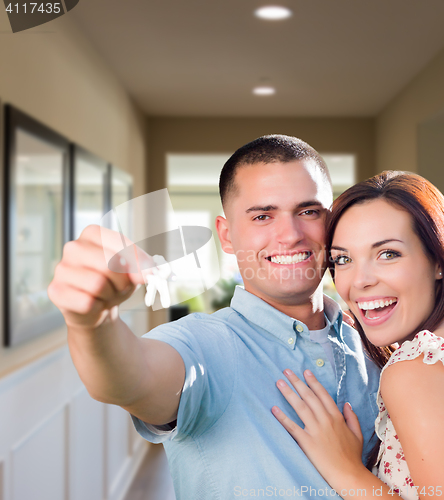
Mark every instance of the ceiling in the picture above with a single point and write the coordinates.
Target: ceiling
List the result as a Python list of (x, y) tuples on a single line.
[(203, 57)]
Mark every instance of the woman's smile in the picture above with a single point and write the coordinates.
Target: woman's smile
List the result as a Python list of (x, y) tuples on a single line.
[(376, 311)]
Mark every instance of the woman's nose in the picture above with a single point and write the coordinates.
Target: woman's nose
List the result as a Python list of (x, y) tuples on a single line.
[(364, 275)]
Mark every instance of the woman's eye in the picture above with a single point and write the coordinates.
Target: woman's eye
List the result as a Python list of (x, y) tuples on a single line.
[(262, 217), (389, 254), (341, 260)]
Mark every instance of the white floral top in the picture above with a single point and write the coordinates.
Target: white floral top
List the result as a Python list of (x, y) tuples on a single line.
[(392, 468)]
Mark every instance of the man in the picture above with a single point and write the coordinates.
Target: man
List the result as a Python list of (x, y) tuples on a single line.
[(205, 385)]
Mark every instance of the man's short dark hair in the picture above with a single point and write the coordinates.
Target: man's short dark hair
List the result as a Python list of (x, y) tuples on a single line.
[(267, 149)]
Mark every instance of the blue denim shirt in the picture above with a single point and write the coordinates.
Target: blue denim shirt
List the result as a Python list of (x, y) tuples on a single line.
[(227, 443)]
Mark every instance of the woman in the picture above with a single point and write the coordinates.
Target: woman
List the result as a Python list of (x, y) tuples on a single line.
[(386, 241)]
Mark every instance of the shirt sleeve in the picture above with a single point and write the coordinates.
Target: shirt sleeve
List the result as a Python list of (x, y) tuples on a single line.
[(208, 351)]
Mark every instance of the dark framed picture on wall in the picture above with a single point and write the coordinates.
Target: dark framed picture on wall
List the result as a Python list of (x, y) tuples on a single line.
[(91, 191), (121, 192), (36, 217), (121, 186)]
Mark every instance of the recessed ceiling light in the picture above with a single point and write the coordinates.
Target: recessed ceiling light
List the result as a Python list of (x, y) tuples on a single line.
[(273, 12), (264, 90)]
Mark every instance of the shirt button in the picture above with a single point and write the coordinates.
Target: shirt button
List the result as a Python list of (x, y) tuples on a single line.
[(290, 340), (300, 328), (320, 362)]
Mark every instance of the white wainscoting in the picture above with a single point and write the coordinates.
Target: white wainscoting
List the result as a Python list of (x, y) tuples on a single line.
[(57, 443)]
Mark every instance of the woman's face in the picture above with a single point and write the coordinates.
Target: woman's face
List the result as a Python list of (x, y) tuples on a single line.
[(382, 271)]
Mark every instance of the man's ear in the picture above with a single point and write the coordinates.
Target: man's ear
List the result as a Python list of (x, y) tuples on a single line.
[(224, 234)]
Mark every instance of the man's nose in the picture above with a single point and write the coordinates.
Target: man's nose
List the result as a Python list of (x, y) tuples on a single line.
[(290, 231)]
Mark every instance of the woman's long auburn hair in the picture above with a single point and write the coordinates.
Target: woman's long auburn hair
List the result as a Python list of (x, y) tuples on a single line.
[(425, 205)]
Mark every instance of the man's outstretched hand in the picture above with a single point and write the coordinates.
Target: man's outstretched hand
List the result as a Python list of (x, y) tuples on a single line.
[(85, 290)]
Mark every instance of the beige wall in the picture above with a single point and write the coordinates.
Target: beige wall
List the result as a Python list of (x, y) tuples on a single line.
[(53, 74), (225, 135), (431, 150), (398, 124)]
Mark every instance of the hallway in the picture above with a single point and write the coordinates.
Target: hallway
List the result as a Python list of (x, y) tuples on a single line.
[(113, 93)]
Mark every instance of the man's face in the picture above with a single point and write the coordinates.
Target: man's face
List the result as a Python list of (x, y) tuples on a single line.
[(275, 227)]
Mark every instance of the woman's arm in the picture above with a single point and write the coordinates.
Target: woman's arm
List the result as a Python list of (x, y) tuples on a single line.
[(331, 441), (413, 394)]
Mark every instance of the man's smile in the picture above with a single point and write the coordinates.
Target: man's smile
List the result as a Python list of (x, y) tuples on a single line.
[(288, 259)]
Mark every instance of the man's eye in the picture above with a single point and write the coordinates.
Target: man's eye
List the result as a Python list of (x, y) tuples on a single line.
[(262, 217), (389, 255), (310, 212), (341, 260)]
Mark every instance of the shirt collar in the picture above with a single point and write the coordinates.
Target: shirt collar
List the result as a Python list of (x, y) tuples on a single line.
[(265, 316), (333, 313)]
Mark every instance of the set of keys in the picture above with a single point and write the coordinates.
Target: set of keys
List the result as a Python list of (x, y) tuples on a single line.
[(156, 279)]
